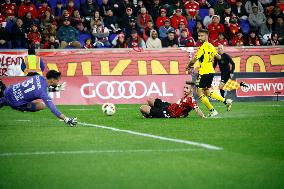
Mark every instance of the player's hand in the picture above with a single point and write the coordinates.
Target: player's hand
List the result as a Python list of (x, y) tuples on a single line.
[(61, 87), (71, 121)]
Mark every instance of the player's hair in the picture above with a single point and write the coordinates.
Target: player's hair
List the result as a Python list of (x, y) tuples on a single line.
[(204, 31), (190, 83), (53, 74), (31, 51)]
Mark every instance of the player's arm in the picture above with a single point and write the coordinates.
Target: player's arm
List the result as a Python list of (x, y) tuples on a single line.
[(47, 100), (199, 112), (199, 53)]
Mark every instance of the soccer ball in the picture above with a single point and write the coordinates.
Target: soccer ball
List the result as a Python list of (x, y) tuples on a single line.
[(108, 109)]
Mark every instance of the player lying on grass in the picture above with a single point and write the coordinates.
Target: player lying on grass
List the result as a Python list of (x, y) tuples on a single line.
[(22, 96), (157, 108)]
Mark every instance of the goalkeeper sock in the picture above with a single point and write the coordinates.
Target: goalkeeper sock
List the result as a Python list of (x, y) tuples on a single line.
[(206, 102), (216, 96)]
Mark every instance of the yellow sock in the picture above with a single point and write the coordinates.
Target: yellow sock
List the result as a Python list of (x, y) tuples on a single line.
[(206, 102), (216, 96)]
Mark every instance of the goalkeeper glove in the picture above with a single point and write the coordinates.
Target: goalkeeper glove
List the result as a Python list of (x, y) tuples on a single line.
[(59, 87), (71, 121)]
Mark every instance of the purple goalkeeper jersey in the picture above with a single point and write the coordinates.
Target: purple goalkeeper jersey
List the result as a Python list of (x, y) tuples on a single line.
[(31, 89)]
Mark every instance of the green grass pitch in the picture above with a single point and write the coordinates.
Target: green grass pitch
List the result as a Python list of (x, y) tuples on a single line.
[(38, 151)]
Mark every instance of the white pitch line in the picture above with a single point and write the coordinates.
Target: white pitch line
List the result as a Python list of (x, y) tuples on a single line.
[(23, 120), (207, 146), (95, 152)]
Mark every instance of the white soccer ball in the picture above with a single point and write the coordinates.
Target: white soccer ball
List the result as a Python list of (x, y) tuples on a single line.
[(108, 109)]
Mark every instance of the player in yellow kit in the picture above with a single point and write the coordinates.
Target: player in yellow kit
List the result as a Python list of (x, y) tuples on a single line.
[(206, 55)]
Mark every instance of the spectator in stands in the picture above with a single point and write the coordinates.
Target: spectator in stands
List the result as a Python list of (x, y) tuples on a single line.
[(177, 5), (204, 4), (192, 9), (154, 9), (68, 35), (106, 4), (239, 10), (88, 9), (180, 28), (97, 16), (239, 40), (19, 39), (196, 29), (8, 6), (221, 40), (153, 41), (220, 7), (135, 40), (28, 21), (256, 19), (208, 19), (65, 15), (119, 41), (52, 43), (43, 8), (276, 13), (185, 39), (34, 37), (123, 10), (81, 28), (253, 39), (143, 18), (266, 30), (88, 44), (232, 27), (101, 33), (215, 28), (249, 6), (163, 30), (177, 17), (161, 19), (111, 22), (52, 30), (170, 41), (10, 21), (4, 38), (46, 22), (26, 7), (273, 41), (227, 14), (70, 7), (279, 29), (131, 26), (147, 30), (58, 10), (127, 17)]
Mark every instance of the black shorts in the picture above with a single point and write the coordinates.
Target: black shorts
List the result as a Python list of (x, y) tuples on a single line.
[(225, 78), (204, 81), (160, 109)]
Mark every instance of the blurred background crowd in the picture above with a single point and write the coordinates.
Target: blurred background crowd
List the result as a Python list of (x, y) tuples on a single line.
[(53, 24)]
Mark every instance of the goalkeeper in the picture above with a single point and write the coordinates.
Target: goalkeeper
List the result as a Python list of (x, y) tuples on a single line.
[(23, 96)]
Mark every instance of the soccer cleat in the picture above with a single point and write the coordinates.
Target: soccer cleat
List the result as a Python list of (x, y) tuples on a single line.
[(213, 113), (229, 103)]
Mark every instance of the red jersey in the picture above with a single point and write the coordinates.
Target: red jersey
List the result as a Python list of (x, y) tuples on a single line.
[(183, 106), (42, 9), (24, 9), (34, 37), (238, 41), (176, 20), (191, 8), (160, 21), (9, 6), (214, 30), (223, 42)]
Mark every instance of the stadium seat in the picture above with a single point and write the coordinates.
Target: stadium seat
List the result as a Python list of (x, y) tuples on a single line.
[(203, 13), (244, 24), (191, 25), (52, 3), (111, 37), (83, 37), (100, 2)]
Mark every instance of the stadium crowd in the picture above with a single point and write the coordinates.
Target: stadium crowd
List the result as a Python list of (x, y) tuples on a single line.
[(52, 24)]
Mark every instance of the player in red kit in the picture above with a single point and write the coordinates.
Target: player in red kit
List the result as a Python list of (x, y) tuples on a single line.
[(157, 108)]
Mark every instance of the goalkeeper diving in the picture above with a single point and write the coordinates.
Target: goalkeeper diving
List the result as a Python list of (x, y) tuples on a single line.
[(23, 96)]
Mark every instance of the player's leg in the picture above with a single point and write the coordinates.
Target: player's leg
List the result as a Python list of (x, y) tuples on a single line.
[(145, 110), (31, 107), (221, 85), (151, 101), (201, 91)]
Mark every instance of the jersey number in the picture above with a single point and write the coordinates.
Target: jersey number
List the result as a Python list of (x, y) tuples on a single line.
[(29, 85)]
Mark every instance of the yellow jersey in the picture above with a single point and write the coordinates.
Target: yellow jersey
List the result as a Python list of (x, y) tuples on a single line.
[(205, 55)]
